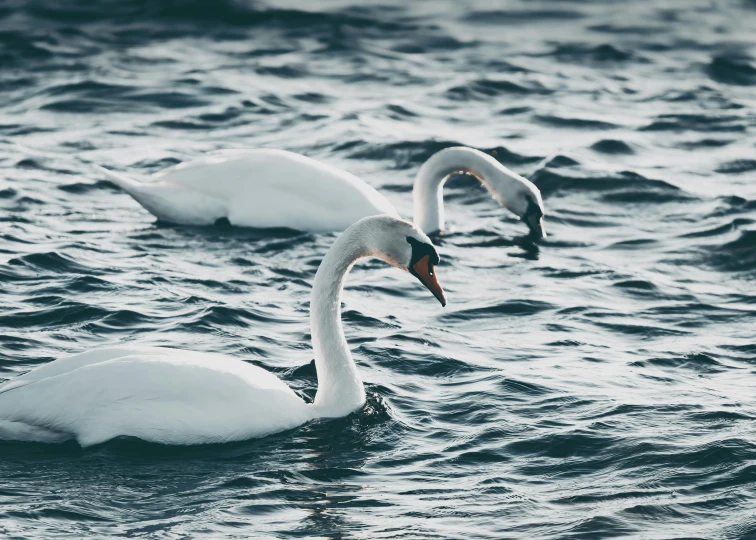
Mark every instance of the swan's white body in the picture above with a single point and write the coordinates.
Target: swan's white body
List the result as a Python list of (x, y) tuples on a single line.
[(156, 394), (180, 397), (275, 188), (257, 188)]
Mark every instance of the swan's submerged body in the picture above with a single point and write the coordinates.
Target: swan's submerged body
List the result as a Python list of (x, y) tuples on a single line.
[(275, 188), (257, 188), (173, 396)]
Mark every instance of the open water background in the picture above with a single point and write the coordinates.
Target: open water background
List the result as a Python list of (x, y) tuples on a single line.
[(597, 384)]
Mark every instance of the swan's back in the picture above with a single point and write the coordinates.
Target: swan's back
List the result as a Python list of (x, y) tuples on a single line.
[(160, 395), (276, 188)]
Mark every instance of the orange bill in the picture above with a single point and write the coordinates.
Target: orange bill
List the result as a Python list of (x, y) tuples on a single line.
[(424, 272)]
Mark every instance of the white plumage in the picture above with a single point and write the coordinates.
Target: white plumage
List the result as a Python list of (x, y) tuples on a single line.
[(157, 394), (257, 188)]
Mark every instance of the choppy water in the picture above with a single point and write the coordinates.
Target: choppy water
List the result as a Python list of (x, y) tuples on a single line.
[(598, 384)]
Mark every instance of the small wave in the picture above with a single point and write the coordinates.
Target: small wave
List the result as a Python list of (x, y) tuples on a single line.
[(351, 316), (510, 307), (204, 16), (18, 130), (167, 100), (89, 96), (514, 388), (637, 286), (732, 204), (67, 313), (521, 16), (580, 52), (598, 526), (720, 416), (577, 123), (283, 72), (738, 166), (732, 70), (612, 147), (625, 186), (407, 154), (41, 165), (704, 143), (694, 314), (717, 230), (634, 243), (397, 112), (21, 47), (80, 188), (719, 453), (120, 320), (411, 363), (638, 330), (696, 122), (223, 316), (736, 256), (313, 97), (9, 85), (53, 262), (698, 362), (579, 443), (703, 96), (482, 89), (511, 111), (97, 97), (621, 30), (432, 44), (561, 161), (61, 514), (204, 122)]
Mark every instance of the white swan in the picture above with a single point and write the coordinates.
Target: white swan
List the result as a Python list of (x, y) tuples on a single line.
[(180, 397), (275, 188)]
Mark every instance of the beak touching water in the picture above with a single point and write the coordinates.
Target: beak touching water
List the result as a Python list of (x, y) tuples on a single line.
[(424, 271), (535, 224)]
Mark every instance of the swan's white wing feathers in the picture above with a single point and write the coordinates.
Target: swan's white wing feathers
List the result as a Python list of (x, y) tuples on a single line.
[(272, 188), (15, 383), (70, 363)]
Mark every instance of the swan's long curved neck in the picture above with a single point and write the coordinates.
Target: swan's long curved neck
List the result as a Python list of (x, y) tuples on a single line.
[(428, 191), (340, 389)]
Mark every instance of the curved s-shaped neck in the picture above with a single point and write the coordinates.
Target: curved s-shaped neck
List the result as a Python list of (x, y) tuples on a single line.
[(340, 389), (428, 191)]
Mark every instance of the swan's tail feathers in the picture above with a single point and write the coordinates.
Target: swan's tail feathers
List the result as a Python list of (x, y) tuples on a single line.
[(121, 180)]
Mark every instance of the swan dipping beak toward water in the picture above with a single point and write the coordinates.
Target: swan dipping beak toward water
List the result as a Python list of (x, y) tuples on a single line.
[(179, 397), (267, 188)]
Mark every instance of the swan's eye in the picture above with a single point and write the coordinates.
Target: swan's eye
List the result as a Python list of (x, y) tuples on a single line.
[(420, 250)]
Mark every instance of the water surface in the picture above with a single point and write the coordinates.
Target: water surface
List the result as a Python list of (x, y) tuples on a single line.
[(597, 384)]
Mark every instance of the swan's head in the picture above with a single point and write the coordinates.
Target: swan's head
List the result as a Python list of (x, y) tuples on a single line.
[(404, 246), (521, 197)]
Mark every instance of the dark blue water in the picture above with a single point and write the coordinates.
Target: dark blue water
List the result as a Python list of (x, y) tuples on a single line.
[(598, 384)]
